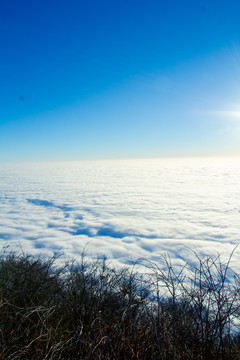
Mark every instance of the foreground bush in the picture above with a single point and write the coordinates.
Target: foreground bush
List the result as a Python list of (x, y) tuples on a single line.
[(90, 310)]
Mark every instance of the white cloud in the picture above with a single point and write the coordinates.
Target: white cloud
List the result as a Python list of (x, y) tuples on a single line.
[(228, 114), (124, 209)]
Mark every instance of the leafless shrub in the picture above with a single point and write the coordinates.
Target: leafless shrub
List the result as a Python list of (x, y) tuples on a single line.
[(89, 310)]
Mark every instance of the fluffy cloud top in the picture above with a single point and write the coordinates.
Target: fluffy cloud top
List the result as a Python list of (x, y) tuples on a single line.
[(122, 209)]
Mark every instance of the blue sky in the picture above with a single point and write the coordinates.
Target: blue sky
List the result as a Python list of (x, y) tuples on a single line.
[(119, 79)]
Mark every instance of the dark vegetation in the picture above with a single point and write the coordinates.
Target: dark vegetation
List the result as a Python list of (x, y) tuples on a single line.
[(89, 310)]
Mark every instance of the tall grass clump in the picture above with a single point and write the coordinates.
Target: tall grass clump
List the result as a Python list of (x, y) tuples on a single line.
[(90, 310)]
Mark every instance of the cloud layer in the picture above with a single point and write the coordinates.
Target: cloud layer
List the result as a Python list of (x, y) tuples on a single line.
[(122, 209)]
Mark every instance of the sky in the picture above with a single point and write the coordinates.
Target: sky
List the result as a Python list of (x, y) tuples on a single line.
[(82, 80)]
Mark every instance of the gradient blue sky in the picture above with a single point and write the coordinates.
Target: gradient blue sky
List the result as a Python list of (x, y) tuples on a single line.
[(119, 79)]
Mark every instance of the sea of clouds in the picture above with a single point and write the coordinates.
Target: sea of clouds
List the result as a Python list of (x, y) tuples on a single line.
[(122, 209)]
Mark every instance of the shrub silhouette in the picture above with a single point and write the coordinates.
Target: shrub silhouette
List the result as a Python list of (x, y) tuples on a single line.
[(89, 310)]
